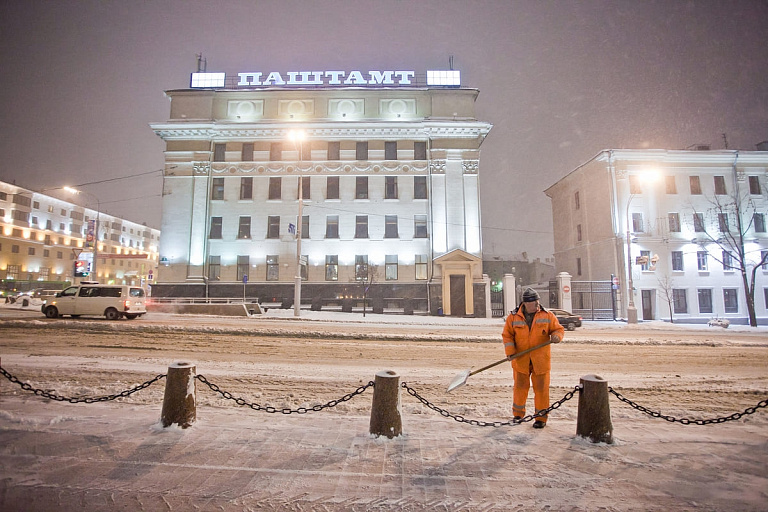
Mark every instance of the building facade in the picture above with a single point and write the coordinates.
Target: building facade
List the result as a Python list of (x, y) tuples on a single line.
[(390, 206), (43, 238), (682, 229)]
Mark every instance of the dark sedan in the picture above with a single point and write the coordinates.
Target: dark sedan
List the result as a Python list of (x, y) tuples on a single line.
[(567, 319)]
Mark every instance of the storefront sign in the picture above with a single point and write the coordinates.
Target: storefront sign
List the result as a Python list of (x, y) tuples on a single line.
[(324, 78)]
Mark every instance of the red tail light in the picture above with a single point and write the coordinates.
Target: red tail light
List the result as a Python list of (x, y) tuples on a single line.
[(127, 304)]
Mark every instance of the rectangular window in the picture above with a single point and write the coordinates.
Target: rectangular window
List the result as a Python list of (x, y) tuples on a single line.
[(244, 229), (420, 226), (680, 300), (361, 187), (306, 188), (273, 267), (243, 262), (705, 300), (695, 185), (419, 150), (634, 185), (332, 226), (754, 185), (214, 268), (305, 226), (671, 186), (273, 226), (758, 219), (578, 232), (13, 271), (361, 151), (276, 151), (332, 187), (637, 222), (219, 152), (646, 258), (701, 260), (390, 150), (334, 150), (332, 267), (720, 186), (217, 190), (764, 260), (727, 261), (275, 188), (421, 267), (390, 270), (31, 251), (246, 188), (59, 255), (722, 222), (361, 267), (674, 222), (420, 187), (578, 266), (390, 187), (731, 300), (576, 200), (698, 222), (390, 226), (677, 260), (361, 226), (215, 228), (304, 267), (246, 154)]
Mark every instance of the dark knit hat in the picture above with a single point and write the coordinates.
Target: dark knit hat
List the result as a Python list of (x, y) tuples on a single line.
[(530, 295)]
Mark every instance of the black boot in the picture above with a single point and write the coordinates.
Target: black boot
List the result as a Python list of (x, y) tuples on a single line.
[(539, 424)]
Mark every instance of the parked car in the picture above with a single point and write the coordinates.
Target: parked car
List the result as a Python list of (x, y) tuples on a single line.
[(111, 301), (567, 319)]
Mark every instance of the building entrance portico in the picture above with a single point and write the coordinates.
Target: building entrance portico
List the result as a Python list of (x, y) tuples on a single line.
[(459, 270)]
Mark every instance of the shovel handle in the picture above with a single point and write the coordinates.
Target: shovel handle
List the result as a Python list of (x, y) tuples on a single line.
[(513, 356)]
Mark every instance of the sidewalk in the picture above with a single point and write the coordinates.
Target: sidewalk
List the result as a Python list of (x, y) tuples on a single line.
[(115, 456)]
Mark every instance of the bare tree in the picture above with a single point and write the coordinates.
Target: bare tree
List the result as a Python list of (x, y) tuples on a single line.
[(667, 293), (734, 216), (366, 274)]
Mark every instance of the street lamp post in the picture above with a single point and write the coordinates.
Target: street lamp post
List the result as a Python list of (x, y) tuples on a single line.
[(631, 309), (297, 136), (96, 227), (648, 176)]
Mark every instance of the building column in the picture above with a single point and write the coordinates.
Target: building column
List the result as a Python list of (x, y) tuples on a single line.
[(508, 288)]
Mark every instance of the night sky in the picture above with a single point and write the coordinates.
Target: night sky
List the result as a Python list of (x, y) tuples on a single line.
[(559, 80)]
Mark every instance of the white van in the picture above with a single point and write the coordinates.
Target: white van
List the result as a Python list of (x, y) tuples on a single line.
[(111, 301)]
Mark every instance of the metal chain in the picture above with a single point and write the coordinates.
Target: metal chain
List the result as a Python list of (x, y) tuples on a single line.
[(479, 423), (286, 410), (688, 421), (72, 400)]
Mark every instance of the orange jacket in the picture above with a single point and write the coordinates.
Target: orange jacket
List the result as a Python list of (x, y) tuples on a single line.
[(518, 337)]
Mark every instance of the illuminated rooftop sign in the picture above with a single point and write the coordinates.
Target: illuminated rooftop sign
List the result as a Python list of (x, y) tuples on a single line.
[(323, 78)]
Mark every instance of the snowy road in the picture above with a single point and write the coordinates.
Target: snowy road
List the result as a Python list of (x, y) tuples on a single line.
[(330, 464)]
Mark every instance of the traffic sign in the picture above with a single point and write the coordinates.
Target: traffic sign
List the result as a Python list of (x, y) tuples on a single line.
[(566, 289)]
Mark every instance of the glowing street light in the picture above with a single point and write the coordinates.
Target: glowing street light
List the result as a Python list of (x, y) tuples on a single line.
[(75, 191)]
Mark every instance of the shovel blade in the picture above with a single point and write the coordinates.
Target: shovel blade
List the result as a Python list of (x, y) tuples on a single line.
[(459, 380)]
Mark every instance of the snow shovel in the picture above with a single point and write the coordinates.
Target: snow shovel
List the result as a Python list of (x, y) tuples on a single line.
[(461, 378)]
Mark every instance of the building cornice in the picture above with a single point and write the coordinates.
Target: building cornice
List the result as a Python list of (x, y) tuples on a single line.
[(191, 130), (718, 157)]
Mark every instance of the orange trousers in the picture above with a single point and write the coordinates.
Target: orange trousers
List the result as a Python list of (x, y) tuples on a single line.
[(540, 392)]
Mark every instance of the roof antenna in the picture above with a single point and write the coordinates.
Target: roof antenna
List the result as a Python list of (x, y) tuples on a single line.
[(450, 62), (202, 63), (725, 141)]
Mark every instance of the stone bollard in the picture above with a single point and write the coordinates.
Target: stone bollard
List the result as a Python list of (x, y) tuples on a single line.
[(179, 403), (385, 411), (594, 419)]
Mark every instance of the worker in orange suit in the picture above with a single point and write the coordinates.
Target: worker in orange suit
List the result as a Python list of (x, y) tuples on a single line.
[(527, 326)]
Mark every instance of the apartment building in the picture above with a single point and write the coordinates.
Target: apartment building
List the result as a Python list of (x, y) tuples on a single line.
[(47, 240), (677, 229)]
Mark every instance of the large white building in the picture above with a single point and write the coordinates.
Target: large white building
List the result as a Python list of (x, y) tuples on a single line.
[(390, 206), (689, 219), (42, 237)]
